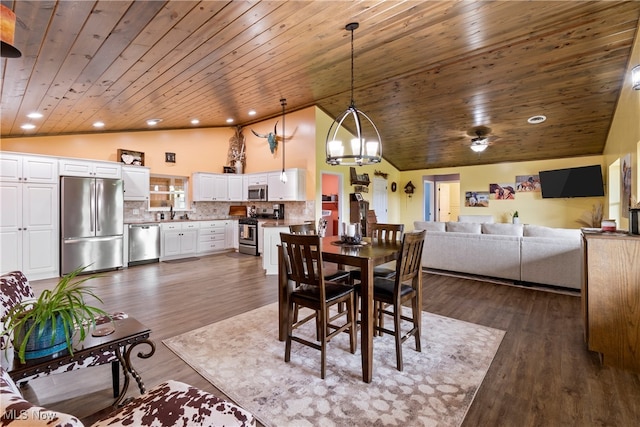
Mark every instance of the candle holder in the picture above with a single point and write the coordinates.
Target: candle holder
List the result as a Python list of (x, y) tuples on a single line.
[(351, 234)]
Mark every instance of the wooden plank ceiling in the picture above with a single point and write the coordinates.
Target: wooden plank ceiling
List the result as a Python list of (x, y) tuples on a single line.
[(428, 73)]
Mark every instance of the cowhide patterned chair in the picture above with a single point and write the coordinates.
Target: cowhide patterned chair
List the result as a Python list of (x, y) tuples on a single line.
[(169, 404), (15, 288)]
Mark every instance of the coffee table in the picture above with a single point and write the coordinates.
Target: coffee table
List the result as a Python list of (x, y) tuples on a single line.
[(128, 334)]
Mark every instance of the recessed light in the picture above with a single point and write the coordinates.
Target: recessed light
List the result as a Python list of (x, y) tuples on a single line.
[(34, 115), (98, 125), (153, 122), (534, 120), (195, 121), (28, 126), (229, 120), (252, 112)]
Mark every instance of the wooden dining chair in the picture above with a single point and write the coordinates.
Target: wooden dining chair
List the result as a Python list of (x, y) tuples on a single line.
[(383, 233), (391, 294), (303, 259), (332, 274)]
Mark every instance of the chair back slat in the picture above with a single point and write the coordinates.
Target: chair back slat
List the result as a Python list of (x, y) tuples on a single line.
[(387, 232), (410, 260), (306, 228)]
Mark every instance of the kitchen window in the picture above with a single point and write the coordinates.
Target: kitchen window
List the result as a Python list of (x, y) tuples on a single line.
[(166, 191)]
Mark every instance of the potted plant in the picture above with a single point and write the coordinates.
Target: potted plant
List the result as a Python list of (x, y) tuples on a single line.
[(515, 218), (46, 325)]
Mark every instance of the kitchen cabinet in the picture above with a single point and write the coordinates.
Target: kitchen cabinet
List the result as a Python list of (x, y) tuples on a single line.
[(29, 230), (90, 168), (611, 297), (256, 178), (271, 239), (208, 187), (212, 236), (27, 168), (136, 182), (232, 228), (292, 190), (235, 188), (178, 240)]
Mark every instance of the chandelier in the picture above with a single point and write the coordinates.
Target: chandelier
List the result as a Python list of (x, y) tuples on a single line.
[(366, 145)]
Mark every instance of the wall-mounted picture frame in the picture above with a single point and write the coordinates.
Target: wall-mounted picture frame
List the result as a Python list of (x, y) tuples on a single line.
[(130, 157), (359, 197), (527, 183), (170, 157)]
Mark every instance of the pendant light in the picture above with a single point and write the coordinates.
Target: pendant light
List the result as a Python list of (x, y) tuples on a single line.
[(283, 175), (366, 144)]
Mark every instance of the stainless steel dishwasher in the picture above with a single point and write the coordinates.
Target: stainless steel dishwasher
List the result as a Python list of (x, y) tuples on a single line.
[(144, 243)]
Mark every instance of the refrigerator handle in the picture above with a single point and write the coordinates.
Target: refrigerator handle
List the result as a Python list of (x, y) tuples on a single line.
[(92, 205), (98, 196)]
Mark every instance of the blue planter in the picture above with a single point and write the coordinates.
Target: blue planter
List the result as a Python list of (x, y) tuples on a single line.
[(41, 345)]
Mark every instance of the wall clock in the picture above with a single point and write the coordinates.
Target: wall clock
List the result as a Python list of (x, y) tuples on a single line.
[(393, 187)]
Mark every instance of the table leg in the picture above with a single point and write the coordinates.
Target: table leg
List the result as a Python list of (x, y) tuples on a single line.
[(366, 318), (128, 369)]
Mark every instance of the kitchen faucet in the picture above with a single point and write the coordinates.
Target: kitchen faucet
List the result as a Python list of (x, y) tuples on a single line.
[(172, 214)]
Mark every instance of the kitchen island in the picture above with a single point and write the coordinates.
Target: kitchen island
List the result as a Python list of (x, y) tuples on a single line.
[(271, 240)]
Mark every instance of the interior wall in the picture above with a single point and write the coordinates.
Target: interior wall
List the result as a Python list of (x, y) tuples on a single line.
[(532, 208), (624, 133)]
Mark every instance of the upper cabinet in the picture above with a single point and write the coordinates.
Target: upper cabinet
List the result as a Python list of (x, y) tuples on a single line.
[(136, 182), (292, 190), (208, 187), (26, 168), (235, 188), (90, 168)]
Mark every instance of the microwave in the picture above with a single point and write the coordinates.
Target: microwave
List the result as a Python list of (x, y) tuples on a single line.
[(258, 193)]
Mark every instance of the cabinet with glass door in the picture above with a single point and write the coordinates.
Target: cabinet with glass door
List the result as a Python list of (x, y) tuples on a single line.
[(168, 191)]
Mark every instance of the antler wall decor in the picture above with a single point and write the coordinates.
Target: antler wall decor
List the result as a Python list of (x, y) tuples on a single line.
[(272, 138)]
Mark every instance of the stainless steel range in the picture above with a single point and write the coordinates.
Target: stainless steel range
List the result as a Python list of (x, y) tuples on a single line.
[(248, 236)]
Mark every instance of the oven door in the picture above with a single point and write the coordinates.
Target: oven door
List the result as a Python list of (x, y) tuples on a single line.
[(248, 239)]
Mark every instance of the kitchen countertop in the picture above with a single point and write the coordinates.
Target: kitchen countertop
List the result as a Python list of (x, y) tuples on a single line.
[(280, 222), (180, 220)]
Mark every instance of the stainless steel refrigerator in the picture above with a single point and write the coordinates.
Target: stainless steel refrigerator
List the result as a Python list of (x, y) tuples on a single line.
[(91, 223)]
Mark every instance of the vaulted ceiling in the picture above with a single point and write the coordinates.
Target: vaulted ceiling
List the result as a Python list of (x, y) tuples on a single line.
[(429, 73)]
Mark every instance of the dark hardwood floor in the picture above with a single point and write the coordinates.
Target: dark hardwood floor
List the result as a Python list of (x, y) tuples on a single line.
[(542, 375)]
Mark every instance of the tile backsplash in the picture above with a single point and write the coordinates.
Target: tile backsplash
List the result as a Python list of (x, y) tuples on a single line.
[(294, 211)]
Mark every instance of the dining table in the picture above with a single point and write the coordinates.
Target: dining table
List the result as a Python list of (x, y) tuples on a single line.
[(365, 256)]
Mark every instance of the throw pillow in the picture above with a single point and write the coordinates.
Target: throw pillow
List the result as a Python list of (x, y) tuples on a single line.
[(464, 227), (429, 225), (503, 229)]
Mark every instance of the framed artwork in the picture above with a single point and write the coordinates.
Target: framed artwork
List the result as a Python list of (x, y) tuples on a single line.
[(170, 157), (625, 185), (476, 199), (527, 183), (359, 197), (502, 191), (129, 157)]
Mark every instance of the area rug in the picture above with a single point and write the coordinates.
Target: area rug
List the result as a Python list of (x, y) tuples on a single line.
[(243, 358)]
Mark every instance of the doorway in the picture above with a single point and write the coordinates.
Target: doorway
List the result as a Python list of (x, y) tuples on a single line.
[(380, 199), (332, 201), (441, 197)]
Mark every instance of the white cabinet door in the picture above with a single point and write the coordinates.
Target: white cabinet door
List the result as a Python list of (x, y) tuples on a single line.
[(257, 178), (170, 243), (235, 187), (178, 239), (271, 242), (136, 182), (78, 167), (20, 167), (231, 234), (29, 229), (189, 242), (209, 187), (292, 190), (221, 187)]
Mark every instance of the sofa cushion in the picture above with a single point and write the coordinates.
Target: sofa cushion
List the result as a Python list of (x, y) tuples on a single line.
[(503, 229), (464, 227), (429, 225), (541, 231), (476, 218)]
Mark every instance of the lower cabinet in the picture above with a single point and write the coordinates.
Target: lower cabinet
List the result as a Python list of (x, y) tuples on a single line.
[(271, 238), (178, 240), (212, 236)]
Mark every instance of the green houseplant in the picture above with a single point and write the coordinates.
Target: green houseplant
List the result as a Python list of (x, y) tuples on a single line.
[(50, 320), (515, 218)]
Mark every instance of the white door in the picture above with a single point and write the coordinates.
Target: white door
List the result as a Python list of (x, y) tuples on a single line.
[(380, 202), (444, 211), (40, 230), (428, 200)]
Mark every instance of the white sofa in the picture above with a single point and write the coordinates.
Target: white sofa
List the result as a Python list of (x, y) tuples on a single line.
[(522, 253)]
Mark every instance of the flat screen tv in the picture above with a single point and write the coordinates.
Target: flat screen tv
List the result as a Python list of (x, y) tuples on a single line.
[(585, 181)]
